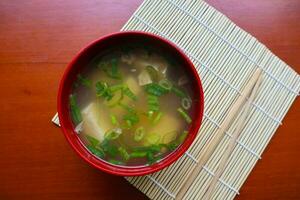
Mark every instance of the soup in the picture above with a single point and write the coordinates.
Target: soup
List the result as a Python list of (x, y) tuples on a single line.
[(131, 105)]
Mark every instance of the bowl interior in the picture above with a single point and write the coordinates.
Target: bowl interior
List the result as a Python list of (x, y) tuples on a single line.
[(84, 57)]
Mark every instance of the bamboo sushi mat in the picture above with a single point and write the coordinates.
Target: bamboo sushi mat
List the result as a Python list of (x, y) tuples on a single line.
[(225, 57)]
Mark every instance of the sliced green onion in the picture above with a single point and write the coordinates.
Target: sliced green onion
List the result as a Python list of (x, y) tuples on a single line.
[(152, 98), (153, 158), (108, 148), (173, 145), (114, 69), (165, 84), (124, 154), (127, 108), (113, 134), (113, 119), (128, 123), (186, 103), (132, 117), (75, 111), (153, 104), (96, 151), (93, 141), (157, 118), (139, 134), (115, 100), (155, 89), (102, 90), (111, 68), (138, 154), (150, 101), (153, 107), (115, 162), (116, 87), (129, 93), (178, 92), (150, 157), (84, 81), (184, 115)]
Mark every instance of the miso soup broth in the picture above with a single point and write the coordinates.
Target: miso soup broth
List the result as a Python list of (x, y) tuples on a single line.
[(131, 105)]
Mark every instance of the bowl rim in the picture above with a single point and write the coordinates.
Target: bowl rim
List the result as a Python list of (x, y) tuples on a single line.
[(139, 170)]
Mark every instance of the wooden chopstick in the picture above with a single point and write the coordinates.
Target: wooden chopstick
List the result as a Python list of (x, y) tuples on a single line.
[(234, 110), (232, 144)]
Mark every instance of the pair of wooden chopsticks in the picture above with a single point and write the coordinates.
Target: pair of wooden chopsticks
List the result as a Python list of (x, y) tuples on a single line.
[(250, 89)]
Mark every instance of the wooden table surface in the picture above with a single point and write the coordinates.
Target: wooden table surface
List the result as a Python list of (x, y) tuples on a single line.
[(38, 38)]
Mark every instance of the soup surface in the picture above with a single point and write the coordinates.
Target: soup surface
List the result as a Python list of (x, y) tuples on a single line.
[(131, 105)]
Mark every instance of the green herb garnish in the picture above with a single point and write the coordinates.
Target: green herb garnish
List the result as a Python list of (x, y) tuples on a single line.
[(96, 151), (132, 117), (186, 103), (184, 115), (113, 119), (84, 81), (111, 68), (153, 104), (139, 134), (115, 162), (138, 154), (127, 108), (103, 90), (93, 141), (167, 85), (75, 111), (129, 93), (124, 154), (178, 92), (157, 118), (113, 134), (109, 148), (155, 89), (116, 87)]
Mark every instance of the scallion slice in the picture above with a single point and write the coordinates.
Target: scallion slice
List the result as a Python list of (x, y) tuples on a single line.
[(123, 153), (113, 119), (113, 134), (157, 118), (84, 81), (139, 134), (75, 111), (138, 154), (167, 85), (129, 93), (184, 115), (186, 103), (178, 92)]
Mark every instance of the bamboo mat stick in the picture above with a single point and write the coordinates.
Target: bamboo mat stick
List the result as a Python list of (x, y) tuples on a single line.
[(231, 145), (218, 135)]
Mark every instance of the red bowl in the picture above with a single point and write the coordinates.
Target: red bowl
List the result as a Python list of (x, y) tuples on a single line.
[(84, 57)]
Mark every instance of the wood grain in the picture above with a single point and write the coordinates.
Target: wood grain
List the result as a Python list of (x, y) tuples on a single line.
[(38, 38)]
